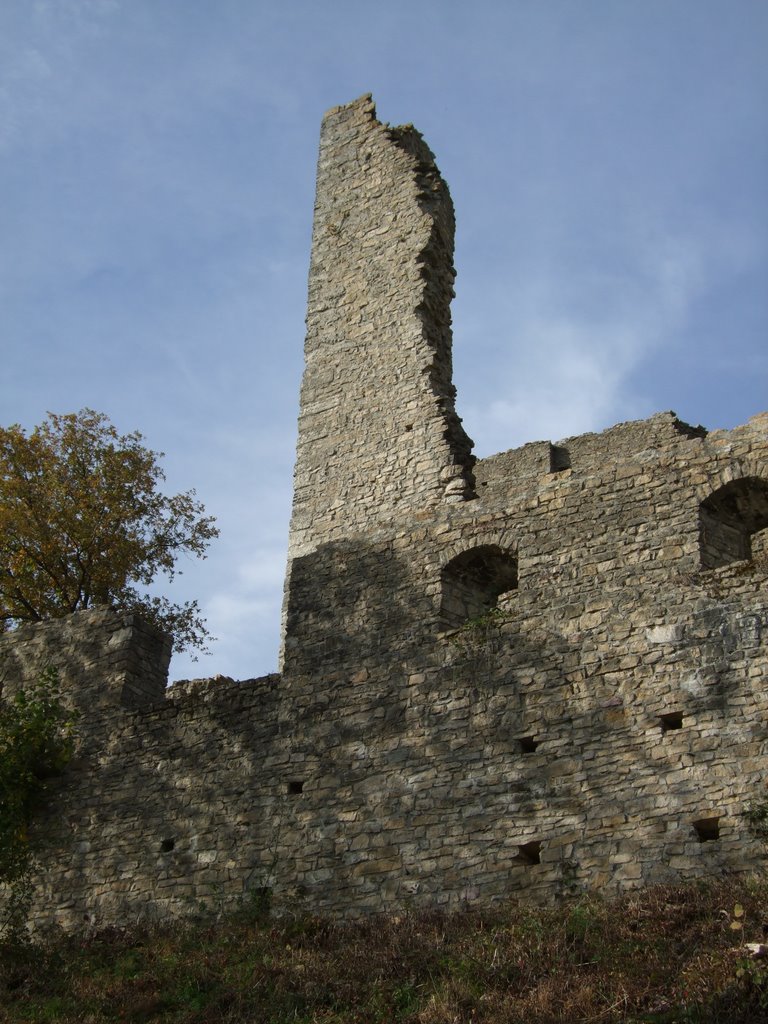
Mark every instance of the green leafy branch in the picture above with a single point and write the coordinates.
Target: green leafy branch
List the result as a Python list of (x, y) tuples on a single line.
[(36, 743)]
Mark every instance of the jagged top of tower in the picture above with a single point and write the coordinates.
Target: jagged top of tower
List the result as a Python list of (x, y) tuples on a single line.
[(378, 432)]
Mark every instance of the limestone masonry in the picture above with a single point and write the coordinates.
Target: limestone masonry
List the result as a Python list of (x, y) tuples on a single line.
[(517, 678)]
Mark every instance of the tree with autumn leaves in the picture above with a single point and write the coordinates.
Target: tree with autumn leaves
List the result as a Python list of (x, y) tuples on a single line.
[(83, 522)]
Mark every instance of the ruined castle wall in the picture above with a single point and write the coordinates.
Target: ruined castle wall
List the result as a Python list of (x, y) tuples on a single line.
[(604, 728), (168, 803), (532, 677), (607, 716)]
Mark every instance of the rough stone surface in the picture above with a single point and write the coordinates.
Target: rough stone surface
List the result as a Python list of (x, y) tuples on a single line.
[(523, 678)]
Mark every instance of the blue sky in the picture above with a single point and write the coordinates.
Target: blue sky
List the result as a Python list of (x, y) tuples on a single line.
[(608, 160)]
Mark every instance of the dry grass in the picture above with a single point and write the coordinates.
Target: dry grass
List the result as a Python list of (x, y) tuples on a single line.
[(665, 955)]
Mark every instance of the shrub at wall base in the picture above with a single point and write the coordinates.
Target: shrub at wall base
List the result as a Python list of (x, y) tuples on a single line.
[(36, 744)]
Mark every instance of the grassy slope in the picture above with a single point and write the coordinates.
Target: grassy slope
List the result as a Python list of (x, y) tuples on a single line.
[(663, 955)]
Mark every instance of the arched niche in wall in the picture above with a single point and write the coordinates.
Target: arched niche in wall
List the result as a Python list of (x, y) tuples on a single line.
[(472, 583), (729, 518)]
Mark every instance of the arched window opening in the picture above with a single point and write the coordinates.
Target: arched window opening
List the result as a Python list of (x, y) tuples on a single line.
[(473, 582), (729, 518)]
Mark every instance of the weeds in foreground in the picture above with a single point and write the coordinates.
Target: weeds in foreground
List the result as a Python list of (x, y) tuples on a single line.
[(663, 956)]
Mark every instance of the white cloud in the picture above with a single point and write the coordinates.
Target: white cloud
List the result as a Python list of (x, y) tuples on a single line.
[(580, 336), (243, 613), (571, 385)]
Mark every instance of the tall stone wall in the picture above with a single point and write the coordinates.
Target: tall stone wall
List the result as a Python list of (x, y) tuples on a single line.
[(377, 427), (547, 678), (379, 437)]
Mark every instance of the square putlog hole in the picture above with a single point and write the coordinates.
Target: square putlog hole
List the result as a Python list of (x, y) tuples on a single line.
[(672, 720), (295, 786), (707, 829), (527, 744), (559, 458), (529, 853)]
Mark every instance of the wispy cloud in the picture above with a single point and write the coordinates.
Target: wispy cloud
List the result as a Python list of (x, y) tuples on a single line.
[(579, 338), (242, 611)]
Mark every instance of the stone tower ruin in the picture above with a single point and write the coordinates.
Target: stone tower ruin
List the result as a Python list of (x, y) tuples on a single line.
[(512, 679), (379, 438)]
